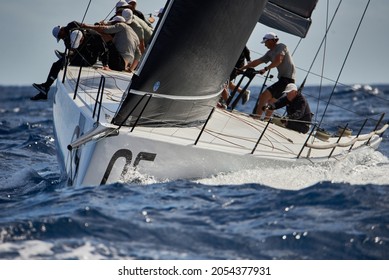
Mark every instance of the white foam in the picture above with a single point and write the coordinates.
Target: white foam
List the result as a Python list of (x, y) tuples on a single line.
[(28, 249), (36, 249), (133, 176), (367, 167), (85, 252)]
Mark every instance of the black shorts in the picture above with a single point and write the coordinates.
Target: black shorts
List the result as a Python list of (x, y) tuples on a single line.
[(278, 87), (115, 60), (235, 73)]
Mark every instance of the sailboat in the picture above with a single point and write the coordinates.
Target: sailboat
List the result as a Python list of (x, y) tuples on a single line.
[(162, 121)]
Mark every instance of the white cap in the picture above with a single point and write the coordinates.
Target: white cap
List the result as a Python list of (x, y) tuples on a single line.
[(129, 1), (75, 39), (56, 32), (121, 3), (269, 36), (128, 15), (290, 87), (117, 19)]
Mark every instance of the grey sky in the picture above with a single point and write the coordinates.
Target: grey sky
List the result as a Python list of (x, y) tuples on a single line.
[(27, 49)]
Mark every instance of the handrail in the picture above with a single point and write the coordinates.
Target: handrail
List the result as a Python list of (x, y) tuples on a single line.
[(101, 99), (141, 113), (100, 102), (268, 76), (205, 124), (377, 124), (260, 137), (65, 58), (359, 132), (77, 83), (346, 144), (306, 141), (250, 74), (137, 104), (97, 96), (337, 141)]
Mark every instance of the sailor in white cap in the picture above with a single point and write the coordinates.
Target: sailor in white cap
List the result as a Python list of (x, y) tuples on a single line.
[(299, 114), (132, 6), (280, 58), (141, 28), (124, 47), (87, 46), (60, 33)]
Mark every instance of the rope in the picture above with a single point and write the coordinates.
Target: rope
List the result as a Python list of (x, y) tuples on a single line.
[(87, 8), (113, 9), (321, 44), (298, 44), (344, 62), (323, 63)]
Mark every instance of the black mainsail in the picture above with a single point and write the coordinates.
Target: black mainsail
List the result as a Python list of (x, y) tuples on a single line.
[(192, 54), (291, 16)]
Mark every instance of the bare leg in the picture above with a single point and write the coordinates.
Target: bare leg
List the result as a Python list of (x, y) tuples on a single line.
[(225, 94), (246, 93), (270, 112), (133, 66), (263, 100), (232, 86)]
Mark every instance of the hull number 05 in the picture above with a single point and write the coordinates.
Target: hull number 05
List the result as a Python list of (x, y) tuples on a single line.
[(127, 155)]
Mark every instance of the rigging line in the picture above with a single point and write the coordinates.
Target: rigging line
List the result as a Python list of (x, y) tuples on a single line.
[(323, 64), (320, 76), (87, 8), (302, 69), (338, 106), (317, 53), (220, 136), (324, 38), (344, 62), (321, 44), (109, 13), (298, 44), (312, 73), (333, 81)]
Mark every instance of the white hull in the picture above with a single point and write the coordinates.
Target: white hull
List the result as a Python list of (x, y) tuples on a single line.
[(168, 153)]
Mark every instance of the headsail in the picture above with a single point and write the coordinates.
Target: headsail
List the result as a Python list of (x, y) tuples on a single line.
[(290, 16), (191, 56)]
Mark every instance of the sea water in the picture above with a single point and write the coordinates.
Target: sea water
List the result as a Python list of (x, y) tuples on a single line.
[(331, 211)]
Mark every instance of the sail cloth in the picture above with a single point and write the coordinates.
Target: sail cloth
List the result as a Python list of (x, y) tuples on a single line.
[(290, 16), (191, 56)]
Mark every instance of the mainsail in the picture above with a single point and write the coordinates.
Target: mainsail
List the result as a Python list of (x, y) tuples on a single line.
[(192, 54), (291, 16)]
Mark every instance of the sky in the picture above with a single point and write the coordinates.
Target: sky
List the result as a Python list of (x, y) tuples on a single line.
[(27, 48)]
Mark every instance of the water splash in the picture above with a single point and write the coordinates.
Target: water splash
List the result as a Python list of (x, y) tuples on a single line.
[(367, 167)]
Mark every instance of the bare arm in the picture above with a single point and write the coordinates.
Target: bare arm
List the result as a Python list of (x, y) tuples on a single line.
[(277, 61), (252, 64), (99, 28)]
